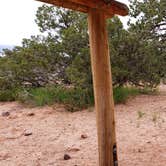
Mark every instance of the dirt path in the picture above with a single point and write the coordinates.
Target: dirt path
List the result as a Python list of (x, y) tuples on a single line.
[(42, 139)]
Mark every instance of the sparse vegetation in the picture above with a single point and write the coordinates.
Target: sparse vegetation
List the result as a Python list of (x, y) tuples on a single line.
[(121, 94), (73, 98), (155, 117), (140, 114), (7, 95)]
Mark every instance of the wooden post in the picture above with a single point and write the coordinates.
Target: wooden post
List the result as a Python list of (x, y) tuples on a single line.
[(102, 82)]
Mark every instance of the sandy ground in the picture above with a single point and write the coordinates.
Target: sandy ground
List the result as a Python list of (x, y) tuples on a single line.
[(42, 139)]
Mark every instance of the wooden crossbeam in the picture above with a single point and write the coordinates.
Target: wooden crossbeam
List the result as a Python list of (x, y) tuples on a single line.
[(109, 7)]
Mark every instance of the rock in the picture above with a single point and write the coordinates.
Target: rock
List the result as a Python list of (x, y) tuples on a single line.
[(140, 151), (30, 114), (84, 136), (67, 157), (27, 134), (5, 114), (73, 149)]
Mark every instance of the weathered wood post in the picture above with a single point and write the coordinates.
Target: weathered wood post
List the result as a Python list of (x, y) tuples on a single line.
[(102, 83), (98, 11)]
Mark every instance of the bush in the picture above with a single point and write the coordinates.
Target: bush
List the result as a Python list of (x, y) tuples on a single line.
[(73, 98), (7, 95), (121, 94), (41, 96)]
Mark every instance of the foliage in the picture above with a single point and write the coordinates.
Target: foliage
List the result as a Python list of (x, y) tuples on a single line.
[(70, 31), (61, 56), (72, 98), (121, 94), (7, 95), (135, 59), (35, 63), (149, 28)]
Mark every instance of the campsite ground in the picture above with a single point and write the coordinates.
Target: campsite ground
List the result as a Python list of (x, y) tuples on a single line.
[(41, 136)]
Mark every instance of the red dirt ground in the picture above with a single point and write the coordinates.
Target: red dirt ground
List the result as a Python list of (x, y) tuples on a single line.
[(141, 134)]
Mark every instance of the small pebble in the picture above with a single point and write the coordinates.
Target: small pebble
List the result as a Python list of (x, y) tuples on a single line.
[(73, 149), (140, 151), (5, 114), (67, 157), (30, 114), (84, 136), (27, 133)]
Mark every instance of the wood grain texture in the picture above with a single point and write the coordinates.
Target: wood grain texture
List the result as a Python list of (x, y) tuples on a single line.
[(102, 82), (110, 8), (67, 4)]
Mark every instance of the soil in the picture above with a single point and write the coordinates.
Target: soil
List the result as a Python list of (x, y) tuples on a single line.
[(51, 136)]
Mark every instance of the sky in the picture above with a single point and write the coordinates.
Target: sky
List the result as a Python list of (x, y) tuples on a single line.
[(17, 20)]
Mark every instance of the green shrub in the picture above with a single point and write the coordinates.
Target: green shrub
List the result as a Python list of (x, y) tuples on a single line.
[(41, 96), (36, 96), (7, 95), (72, 98), (79, 98), (148, 91), (121, 94)]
